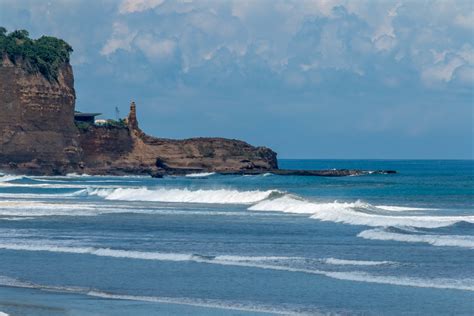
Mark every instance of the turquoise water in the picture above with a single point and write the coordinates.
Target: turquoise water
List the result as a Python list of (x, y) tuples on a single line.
[(241, 245)]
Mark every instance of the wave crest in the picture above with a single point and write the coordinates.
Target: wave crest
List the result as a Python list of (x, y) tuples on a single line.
[(222, 196), (8, 178), (432, 239), (200, 175), (355, 213)]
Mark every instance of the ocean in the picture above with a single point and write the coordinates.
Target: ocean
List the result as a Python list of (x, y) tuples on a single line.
[(209, 244)]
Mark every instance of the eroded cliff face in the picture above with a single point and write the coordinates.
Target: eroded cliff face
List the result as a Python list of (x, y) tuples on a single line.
[(37, 130)]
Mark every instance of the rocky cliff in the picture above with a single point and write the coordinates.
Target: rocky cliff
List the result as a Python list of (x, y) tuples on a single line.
[(108, 149), (38, 135), (37, 130)]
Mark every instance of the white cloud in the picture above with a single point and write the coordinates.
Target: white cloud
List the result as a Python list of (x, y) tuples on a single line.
[(465, 20), (121, 38), (131, 6), (442, 71), (464, 75), (305, 36), (155, 49), (384, 37), (385, 42), (449, 65)]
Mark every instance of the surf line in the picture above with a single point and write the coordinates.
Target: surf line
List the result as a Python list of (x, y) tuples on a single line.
[(467, 284)]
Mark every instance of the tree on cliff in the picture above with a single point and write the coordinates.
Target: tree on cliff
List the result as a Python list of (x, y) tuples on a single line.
[(45, 54)]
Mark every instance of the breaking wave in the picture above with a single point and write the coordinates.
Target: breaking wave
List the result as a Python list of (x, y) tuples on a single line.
[(221, 196), (393, 208), (200, 175), (355, 213), (251, 262), (432, 239), (352, 213), (8, 178)]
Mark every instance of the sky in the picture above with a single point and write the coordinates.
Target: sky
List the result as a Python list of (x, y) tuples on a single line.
[(310, 79)]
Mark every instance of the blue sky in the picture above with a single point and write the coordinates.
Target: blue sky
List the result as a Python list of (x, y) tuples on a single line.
[(310, 79)]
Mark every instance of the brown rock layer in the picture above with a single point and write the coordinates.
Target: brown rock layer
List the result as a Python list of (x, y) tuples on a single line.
[(37, 130), (114, 150)]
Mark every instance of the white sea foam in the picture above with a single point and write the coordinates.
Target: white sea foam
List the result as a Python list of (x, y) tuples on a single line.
[(250, 262), (84, 175), (81, 192), (8, 178), (200, 175), (8, 281), (101, 252), (3, 314), (208, 303), (435, 240), (198, 302), (256, 258), (393, 208), (336, 261), (130, 254), (436, 283), (77, 175), (30, 205), (221, 196), (57, 185), (28, 209), (355, 213), (19, 218)]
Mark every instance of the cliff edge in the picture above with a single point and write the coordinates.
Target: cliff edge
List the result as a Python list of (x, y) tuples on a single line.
[(123, 150), (39, 134)]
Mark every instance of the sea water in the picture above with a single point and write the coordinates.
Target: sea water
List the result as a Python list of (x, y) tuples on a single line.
[(210, 244)]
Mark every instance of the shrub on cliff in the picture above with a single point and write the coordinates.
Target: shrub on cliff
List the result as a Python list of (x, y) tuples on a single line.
[(116, 124), (45, 54)]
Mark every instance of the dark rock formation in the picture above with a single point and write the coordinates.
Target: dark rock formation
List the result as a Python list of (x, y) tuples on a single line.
[(318, 173)]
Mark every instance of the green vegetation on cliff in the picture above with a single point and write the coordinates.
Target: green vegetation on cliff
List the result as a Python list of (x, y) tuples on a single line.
[(110, 124), (45, 54)]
